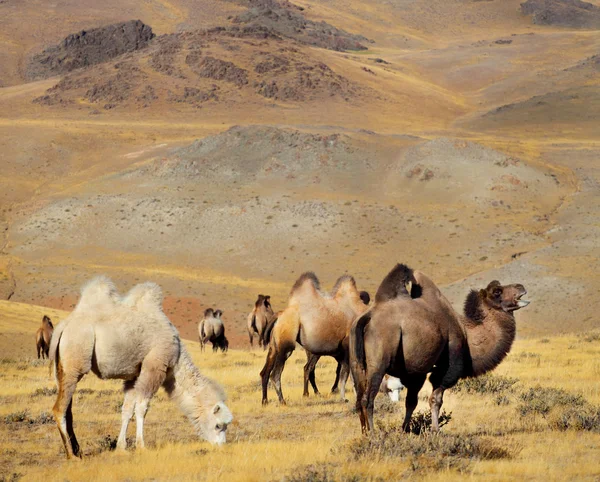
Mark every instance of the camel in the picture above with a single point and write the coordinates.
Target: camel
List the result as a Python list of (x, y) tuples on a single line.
[(391, 386), (259, 319), (211, 328), (130, 338), (412, 330), (318, 322), (43, 336)]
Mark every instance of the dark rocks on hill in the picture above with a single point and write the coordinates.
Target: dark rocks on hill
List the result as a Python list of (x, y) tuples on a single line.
[(90, 47), (285, 19), (565, 13)]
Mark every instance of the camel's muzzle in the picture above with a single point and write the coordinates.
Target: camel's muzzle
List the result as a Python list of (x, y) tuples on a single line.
[(522, 303)]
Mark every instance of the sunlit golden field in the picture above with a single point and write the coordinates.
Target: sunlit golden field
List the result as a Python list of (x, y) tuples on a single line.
[(309, 439)]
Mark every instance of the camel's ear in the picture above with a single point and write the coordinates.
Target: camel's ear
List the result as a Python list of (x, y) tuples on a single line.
[(216, 409)]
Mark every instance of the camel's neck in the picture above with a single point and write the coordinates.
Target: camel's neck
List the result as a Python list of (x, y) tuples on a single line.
[(490, 336)]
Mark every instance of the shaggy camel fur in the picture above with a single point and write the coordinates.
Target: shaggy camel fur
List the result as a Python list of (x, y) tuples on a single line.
[(391, 386), (130, 338), (43, 336), (412, 330), (259, 319), (317, 321), (211, 328)]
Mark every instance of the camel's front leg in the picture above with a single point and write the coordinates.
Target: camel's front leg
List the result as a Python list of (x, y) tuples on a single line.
[(126, 413), (435, 403), (344, 371), (309, 373), (62, 411), (141, 407)]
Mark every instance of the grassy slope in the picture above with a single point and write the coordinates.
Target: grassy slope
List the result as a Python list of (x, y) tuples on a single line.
[(273, 442)]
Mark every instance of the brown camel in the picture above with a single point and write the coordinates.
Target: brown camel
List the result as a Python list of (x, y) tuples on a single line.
[(412, 330), (43, 336), (317, 321), (259, 319)]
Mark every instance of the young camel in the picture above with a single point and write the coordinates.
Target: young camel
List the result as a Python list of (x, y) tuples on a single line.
[(317, 321), (130, 338), (43, 336), (412, 330), (259, 319), (212, 329)]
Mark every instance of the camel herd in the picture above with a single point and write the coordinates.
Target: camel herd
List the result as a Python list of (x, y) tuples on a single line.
[(409, 331)]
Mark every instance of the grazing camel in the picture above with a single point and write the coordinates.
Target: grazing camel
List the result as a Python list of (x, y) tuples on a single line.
[(317, 321), (43, 336), (212, 329), (412, 330), (391, 386), (130, 338), (259, 319)]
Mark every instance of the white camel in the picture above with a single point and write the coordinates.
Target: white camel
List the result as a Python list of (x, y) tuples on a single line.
[(130, 338), (392, 387)]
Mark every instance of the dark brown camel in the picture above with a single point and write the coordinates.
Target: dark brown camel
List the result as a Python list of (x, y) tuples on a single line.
[(259, 319), (43, 336), (317, 321), (412, 330)]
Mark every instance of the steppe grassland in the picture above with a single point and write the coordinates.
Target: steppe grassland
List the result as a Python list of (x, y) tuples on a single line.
[(307, 438)]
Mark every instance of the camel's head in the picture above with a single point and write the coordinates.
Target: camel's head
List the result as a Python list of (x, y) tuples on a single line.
[(214, 428), (506, 298), (208, 313), (47, 321)]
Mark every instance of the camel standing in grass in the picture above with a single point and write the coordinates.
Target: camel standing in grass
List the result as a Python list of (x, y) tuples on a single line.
[(130, 338), (211, 328), (43, 336), (312, 360), (259, 319), (317, 321), (412, 330)]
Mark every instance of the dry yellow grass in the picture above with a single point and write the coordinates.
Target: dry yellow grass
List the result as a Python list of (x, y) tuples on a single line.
[(308, 438)]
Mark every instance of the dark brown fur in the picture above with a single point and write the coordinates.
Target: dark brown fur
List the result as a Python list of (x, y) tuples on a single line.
[(409, 337)]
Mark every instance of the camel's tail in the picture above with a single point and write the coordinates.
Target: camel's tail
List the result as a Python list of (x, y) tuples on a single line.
[(268, 331), (357, 345), (253, 323), (53, 351)]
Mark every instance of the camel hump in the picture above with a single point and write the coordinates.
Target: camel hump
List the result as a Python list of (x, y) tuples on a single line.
[(209, 313), (100, 292), (144, 297), (309, 277), (343, 281), (396, 283)]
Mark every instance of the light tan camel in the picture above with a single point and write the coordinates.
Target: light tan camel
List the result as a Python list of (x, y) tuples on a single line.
[(259, 319), (211, 328), (130, 338), (43, 336), (317, 321), (412, 330)]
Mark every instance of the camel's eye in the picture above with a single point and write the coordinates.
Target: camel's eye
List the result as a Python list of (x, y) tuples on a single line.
[(497, 292)]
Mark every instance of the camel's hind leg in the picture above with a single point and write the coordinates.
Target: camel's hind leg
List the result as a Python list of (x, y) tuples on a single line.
[(152, 376), (371, 391), (413, 386), (282, 357), (126, 413), (343, 371), (62, 410), (309, 373), (265, 373)]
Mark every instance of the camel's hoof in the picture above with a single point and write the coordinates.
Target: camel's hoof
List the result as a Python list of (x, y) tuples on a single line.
[(282, 402), (306, 394), (265, 402)]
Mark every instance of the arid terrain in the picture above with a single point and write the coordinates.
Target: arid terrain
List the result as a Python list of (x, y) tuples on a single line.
[(222, 148)]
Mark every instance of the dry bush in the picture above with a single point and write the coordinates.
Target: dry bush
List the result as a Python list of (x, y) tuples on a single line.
[(590, 337), (486, 384), (23, 416), (44, 392), (421, 421), (434, 451), (577, 418), (542, 400)]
